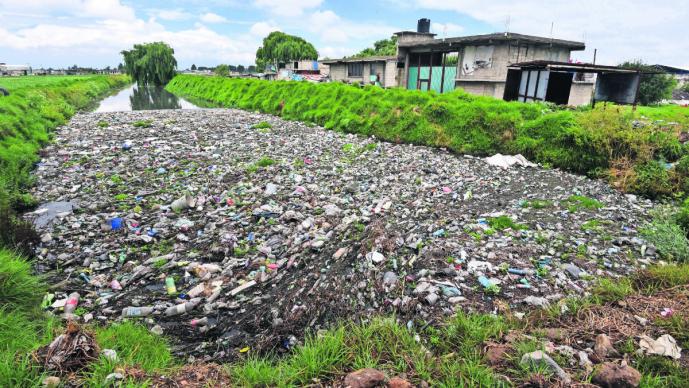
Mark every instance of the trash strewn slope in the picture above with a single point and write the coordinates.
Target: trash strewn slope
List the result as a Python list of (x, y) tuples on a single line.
[(229, 238)]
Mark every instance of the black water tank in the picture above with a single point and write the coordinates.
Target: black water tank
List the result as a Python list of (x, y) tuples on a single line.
[(424, 25)]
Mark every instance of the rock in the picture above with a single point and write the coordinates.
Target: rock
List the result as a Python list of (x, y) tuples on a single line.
[(51, 382), (611, 375), (157, 329), (398, 382), (46, 238), (496, 353), (365, 378), (539, 359), (604, 348)]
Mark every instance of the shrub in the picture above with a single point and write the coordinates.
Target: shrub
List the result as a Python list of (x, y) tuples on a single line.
[(652, 180), (667, 236)]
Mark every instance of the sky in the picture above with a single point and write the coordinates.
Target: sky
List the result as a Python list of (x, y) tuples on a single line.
[(60, 33)]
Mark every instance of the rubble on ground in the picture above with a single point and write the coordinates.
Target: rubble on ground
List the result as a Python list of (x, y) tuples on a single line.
[(228, 238)]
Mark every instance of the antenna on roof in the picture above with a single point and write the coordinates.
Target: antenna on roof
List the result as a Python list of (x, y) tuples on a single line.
[(507, 25), (552, 25)]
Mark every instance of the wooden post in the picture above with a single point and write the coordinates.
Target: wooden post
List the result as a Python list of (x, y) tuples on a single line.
[(442, 74)]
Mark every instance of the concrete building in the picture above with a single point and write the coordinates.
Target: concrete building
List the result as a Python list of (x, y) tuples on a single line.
[(681, 75), (380, 70), (15, 70), (477, 64)]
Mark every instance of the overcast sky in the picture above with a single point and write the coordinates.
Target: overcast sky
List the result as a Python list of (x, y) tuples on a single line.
[(57, 33)]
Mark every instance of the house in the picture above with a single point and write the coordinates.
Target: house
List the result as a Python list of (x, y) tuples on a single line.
[(477, 63), (681, 75), (566, 83), (6, 69), (379, 70), (302, 70)]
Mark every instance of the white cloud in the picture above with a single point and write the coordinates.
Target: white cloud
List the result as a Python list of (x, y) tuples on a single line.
[(620, 29), (262, 29), (331, 28), (211, 17), (287, 8), (446, 30), (104, 37), (172, 14)]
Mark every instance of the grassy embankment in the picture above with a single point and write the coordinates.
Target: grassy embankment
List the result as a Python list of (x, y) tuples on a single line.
[(35, 106), (604, 142)]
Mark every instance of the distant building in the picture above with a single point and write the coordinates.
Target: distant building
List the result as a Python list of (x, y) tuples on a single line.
[(681, 75), (502, 65), (380, 70), (14, 70)]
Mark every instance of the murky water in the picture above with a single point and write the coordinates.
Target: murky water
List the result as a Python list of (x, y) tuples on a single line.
[(143, 98)]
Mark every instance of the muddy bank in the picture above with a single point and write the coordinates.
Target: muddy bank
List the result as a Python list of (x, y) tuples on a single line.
[(268, 232)]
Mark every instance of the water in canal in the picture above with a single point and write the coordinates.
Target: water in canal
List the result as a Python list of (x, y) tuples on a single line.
[(143, 98)]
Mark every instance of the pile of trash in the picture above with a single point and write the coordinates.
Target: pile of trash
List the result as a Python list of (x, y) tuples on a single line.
[(230, 238)]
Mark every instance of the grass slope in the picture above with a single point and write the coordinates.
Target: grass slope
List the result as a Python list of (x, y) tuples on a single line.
[(602, 142)]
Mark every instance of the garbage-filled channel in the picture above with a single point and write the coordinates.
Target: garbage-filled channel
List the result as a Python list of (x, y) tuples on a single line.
[(226, 235)]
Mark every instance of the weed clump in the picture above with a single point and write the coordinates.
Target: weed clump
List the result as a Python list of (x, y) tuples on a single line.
[(143, 123), (505, 222), (262, 125)]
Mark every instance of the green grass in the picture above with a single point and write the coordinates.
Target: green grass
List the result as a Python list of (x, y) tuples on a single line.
[(143, 123), (23, 328), (505, 222), (382, 343), (588, 141), (19, 289), (262, 125), (578, 202), (265, 162), (669, 238), (135, 345)]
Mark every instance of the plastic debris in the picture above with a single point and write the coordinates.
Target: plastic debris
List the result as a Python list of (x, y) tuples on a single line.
[(665, 345)]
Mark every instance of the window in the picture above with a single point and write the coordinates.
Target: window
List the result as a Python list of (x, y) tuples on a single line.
[(355, 69)]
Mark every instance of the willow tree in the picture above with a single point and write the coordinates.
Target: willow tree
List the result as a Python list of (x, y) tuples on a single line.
[(279, 47), (150, 63)]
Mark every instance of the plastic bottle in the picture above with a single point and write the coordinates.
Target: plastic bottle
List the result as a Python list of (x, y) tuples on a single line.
[(72, 302), (170, 285), (132, 311), (182, 307)]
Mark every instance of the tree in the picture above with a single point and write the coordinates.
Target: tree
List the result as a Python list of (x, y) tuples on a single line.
[(384, 47), (654, 86), (193, 67), (241, 68), (150, 63), (279, 47), (222, 70), (251, 69)]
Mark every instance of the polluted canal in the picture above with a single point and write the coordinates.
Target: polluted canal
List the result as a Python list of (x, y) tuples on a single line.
[(226, 230), (137, 97)]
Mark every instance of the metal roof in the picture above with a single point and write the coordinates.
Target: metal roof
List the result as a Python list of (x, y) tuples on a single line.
[(567, 66), (493, 38), (379, 58)]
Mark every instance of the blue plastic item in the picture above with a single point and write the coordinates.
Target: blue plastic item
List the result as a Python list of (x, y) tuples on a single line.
[(116, 223)]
